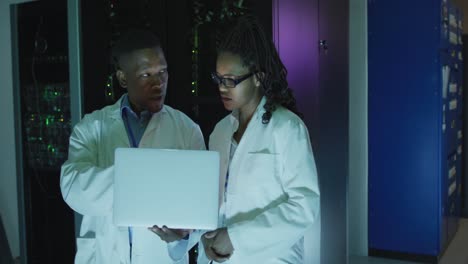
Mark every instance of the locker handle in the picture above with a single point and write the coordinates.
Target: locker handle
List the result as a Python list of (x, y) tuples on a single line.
[(324, 45)]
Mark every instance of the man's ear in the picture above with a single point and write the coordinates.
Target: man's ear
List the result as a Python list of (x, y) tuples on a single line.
[(122, 79)]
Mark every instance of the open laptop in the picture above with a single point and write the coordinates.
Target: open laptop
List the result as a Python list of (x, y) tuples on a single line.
[(176, 188)]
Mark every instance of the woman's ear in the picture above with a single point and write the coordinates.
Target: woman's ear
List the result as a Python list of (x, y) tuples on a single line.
[(258, 78), (122, 79)]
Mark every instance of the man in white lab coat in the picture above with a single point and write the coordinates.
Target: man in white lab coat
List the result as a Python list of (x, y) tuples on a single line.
[(268, 182), (138, 119)]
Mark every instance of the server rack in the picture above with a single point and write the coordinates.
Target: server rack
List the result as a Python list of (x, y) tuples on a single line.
[(415, 127)]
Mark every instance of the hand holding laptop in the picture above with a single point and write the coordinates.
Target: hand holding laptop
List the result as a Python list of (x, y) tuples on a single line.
[(170, 235), (217, 245)]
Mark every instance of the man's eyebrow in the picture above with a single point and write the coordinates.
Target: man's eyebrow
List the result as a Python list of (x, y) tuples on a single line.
[(143, 66)]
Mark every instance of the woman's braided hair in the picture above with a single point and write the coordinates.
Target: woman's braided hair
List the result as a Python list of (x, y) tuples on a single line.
[(248, 40)]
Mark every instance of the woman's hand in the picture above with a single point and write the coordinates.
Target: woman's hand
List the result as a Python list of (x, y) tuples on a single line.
[(217, 244)]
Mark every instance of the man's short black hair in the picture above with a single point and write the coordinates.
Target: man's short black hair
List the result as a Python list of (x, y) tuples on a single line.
[(131, 40)]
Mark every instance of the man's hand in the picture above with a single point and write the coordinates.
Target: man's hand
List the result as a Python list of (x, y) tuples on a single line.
[(168, 234), (217, 244)]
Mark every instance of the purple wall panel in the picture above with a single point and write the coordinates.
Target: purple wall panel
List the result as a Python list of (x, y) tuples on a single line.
[(319, 79), (295, 31)]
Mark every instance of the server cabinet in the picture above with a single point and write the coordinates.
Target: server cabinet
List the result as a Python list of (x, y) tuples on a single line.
[(43, 126), (415, 127)]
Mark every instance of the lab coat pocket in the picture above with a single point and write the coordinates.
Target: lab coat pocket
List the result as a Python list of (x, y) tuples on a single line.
[(86, 251), (260, 170)]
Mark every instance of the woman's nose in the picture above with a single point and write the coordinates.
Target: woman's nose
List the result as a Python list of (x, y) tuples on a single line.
[(222, 87)]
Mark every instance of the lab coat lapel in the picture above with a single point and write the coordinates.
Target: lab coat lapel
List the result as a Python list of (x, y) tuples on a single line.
[(249, 136), (117, 127), (153, 126)]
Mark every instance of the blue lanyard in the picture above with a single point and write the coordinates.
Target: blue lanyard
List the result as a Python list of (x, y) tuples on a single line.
[(226, 183), (133, 145), (231, 155)]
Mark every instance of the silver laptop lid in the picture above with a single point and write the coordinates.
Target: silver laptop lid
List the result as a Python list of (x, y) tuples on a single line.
[(176, 188)]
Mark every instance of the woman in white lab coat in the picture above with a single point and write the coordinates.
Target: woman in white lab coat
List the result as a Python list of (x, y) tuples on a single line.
[(269, 192)]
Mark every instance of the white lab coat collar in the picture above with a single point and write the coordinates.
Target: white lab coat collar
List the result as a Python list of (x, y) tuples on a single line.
[(115, 112), (234, 116), (116, 115)]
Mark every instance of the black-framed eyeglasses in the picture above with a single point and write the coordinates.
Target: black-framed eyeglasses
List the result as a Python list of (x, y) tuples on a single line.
[(229, 82)]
